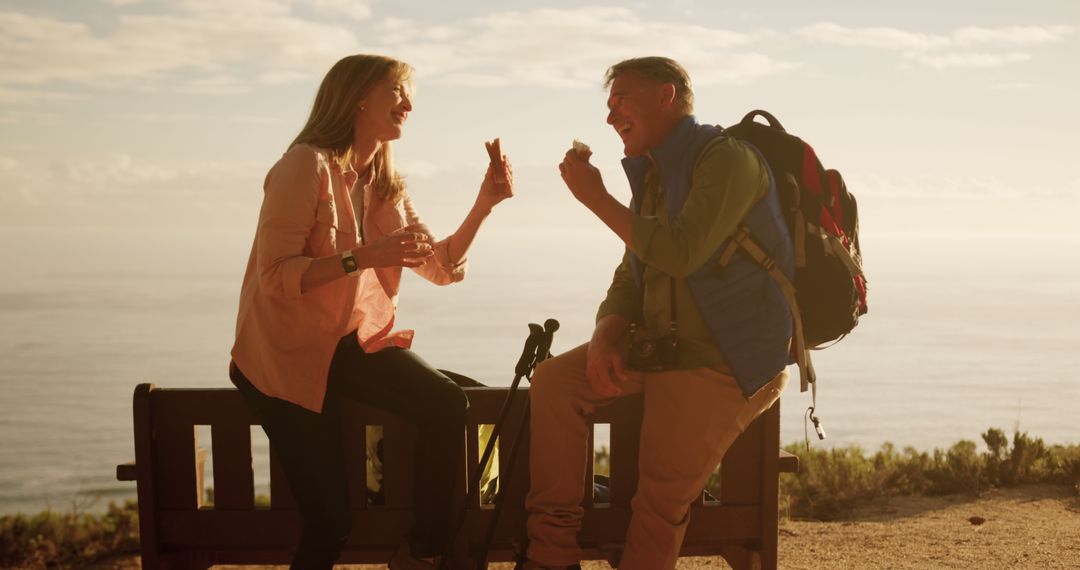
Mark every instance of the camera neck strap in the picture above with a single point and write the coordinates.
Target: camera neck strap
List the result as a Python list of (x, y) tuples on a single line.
[(674, 324)]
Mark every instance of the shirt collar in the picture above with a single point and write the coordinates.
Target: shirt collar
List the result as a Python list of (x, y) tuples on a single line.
[(675, 143), (671, 147)]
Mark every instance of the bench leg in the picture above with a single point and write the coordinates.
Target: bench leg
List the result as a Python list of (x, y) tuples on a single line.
[(187, 561), (742, 558)]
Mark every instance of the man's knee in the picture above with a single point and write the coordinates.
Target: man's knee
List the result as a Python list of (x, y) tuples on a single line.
[(548, 380), (673, 506)]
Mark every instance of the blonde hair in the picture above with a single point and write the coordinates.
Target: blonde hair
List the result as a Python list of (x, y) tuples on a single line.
[(658, 70), (333, 116)]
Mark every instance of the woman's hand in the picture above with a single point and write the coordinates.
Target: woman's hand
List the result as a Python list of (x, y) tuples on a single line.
[(498, 183), (407, 247)]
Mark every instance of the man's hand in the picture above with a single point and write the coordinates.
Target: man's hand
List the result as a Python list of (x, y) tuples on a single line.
[(605, 368), (582, 178)]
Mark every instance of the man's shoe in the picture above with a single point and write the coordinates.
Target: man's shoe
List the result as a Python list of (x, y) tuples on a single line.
[(404, 560)]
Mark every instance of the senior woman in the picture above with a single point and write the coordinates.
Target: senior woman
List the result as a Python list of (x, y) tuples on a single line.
[(316, 315)]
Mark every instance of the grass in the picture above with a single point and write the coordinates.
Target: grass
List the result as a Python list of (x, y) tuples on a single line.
[(829, 484), (68, 540), (832, 481)]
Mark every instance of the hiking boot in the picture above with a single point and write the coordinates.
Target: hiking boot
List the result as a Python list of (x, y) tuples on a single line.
[(404, 560)]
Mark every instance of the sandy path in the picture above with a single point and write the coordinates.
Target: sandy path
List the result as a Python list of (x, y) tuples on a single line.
[(1031, 527)]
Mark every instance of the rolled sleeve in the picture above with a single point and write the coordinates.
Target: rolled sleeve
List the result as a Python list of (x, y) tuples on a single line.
[(728, 179), (624, 297), (439, 268), (291, 194)]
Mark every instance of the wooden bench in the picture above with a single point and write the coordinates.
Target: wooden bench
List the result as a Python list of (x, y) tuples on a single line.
[(179, 531)]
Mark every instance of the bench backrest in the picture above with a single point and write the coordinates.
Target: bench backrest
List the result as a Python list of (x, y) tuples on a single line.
[(169, 483)]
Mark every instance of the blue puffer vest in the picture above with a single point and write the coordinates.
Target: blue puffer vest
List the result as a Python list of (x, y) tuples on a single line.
[(743, 307)]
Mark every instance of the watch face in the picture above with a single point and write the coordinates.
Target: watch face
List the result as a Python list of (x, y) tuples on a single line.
[(349, 263)]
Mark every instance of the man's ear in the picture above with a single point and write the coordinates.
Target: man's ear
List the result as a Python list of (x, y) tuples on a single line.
[(667, 93)]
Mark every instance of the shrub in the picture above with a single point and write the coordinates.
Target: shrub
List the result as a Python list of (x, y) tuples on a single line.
[(831, 481), (68, 540)]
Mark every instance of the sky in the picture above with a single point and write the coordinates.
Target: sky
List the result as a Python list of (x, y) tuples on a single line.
[(946, 118)]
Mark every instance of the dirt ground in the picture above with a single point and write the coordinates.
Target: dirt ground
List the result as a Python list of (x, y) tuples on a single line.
[(1029, 527)]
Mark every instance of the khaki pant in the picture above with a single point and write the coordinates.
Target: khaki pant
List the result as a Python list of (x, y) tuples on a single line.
[(691, 418)]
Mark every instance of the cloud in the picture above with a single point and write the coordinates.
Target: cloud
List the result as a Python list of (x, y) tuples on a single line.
[(13, 96), (352, 9), (220, 46), (1014, 86), (943, 51), (871, 37), (904, 40), (156, 117), (960, 59), (963, 188), (27, 116), (167, 118), (86, 180), (214, 47), (570, 48), (1011, 36)]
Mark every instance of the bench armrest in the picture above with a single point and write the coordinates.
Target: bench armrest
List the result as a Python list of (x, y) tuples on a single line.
[(126, 471), (788, 463)]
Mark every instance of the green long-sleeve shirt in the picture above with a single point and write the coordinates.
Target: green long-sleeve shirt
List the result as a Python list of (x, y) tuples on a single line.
[(728, 179)]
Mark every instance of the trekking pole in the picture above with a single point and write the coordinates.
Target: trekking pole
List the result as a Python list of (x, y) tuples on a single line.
[(543, 351), (523, 368)]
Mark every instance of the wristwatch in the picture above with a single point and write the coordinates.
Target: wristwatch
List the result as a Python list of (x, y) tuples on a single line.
[(348, 263)]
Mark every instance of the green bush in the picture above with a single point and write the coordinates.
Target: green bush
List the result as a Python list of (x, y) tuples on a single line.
[(831, 481), (68, 540)]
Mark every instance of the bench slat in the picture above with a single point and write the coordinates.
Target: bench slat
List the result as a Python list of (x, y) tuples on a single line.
[(517, 485), (234, 487), (740, 473), (127, 472), (625, 435), (788, 463), (354, 442), (174, 440), (399, 439)]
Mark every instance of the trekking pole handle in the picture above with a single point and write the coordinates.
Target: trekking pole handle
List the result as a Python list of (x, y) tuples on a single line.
[(550, 326), (543, 345), (528, 354)]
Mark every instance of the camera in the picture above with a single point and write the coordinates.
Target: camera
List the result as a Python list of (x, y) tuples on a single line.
[(652, 353)]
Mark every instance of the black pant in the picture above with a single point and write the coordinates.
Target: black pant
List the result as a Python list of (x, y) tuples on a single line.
[(310, 449)]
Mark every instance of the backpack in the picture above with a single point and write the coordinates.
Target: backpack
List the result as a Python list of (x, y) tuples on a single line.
[(829, 292)]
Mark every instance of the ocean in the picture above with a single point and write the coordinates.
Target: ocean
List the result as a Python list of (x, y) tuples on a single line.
[(965, 332)]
